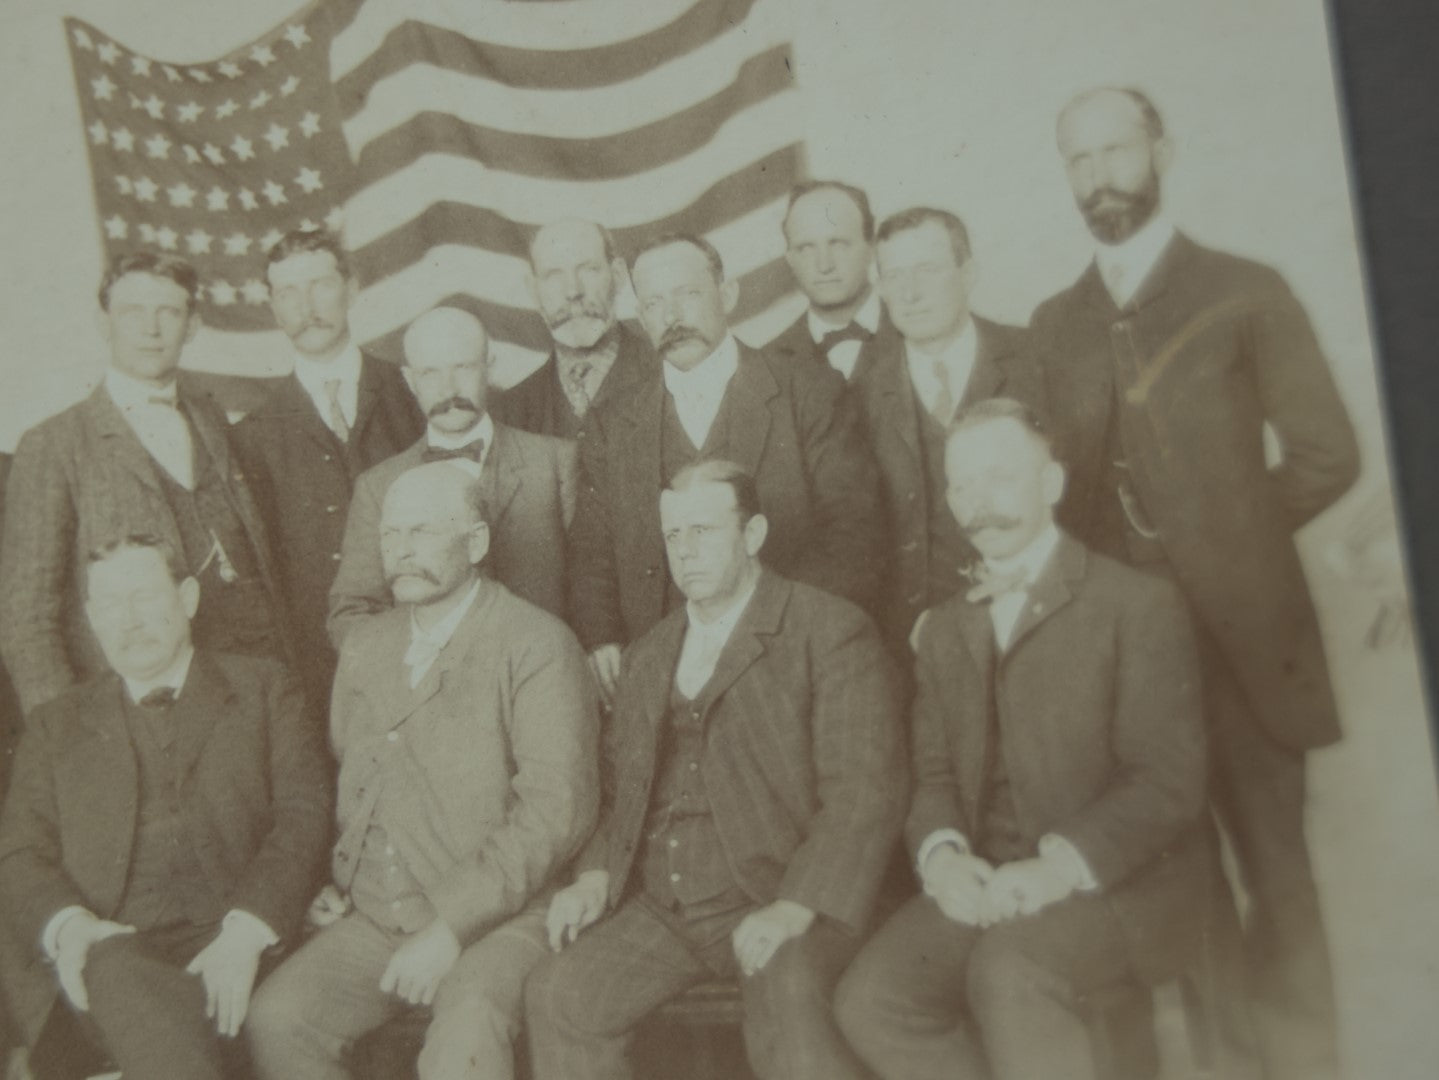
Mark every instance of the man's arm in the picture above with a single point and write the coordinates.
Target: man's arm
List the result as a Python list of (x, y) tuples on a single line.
[(1320, 455), (860, 776), (35, 570), (359, 589), (553, 733), (935, 806), (594, 574), (567, 466), (841, 556)]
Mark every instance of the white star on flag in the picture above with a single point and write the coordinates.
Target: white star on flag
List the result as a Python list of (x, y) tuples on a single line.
[(226, 109), (237, 244), (214, 154), (139, 65), (200, 75), (146, 189), (192, 156), (222, 292), (242, 148), (260, 100), (166, 238), (147, 233), (103, 88), (309, 180), (181, 195), (123, 185), (122, 139), (255, 291), (189, 112), (231, 70), (308, 226), (158, 147), (270, 239), (310, 124), (155, 107), (171, 73), (82, 39), (98, 135), (247, 199), (289, 86), (198, 242), (263, 55), (217, 199), (274, 192), (115, 228), (278, 137), (108, 52), (296, 36)]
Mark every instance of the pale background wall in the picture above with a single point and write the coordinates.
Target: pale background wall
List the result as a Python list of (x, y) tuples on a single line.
[(950, 102)]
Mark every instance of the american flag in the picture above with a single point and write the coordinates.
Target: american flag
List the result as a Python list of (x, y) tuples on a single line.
[(435, 136)]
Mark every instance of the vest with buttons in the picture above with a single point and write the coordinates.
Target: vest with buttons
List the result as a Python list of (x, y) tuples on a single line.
[(948, 550)]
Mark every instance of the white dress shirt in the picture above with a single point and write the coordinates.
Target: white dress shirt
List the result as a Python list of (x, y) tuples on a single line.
[(699, 392), (443, 440), (162, 429), (345, 367), (845, 355), (1124, 266), (426, 644), (957, 359), (704, 641)]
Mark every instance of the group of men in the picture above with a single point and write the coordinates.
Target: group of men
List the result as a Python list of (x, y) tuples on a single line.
[(634, 674)]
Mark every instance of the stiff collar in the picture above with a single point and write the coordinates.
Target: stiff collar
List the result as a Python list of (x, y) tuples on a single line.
[(130, 393), (443, 440), (1137, 255), (314, 374), (1031, 560)]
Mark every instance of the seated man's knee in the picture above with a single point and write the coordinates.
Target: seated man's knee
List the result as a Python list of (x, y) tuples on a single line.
[(551, 999), (276, 1008), (1000, 974), (858, 1006)]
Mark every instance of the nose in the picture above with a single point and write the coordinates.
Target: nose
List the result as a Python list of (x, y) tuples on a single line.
[(824, 259), (685, 546), (571, 283), (150, 323)]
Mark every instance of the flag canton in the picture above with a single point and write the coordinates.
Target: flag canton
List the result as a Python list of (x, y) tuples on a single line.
[(214, 161)]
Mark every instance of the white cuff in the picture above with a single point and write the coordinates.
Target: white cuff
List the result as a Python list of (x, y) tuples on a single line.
[(251, 927), (50, 936), (937, 839), (1056, 849)]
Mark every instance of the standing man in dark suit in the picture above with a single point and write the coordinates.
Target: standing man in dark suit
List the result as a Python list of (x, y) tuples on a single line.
[(787, 425), (338, 414), (575, 275), (756, 788), (829, 245), (527, 481), (1165, 363), (939, 358), (166, 828), (140, 454), (1056, 823)]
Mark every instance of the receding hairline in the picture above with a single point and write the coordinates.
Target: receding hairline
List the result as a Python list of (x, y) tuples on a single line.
[(445, 476), (607, 241), (1146, 114), (436, 321)]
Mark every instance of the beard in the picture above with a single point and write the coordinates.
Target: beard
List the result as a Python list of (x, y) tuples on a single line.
[(1113, 216)]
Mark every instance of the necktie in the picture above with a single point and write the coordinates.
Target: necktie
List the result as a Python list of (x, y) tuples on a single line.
[(164, 399), (162, 697), (850, 332), (472, 451), (337, 412), (943, 407), (989, 585), (576, 389)]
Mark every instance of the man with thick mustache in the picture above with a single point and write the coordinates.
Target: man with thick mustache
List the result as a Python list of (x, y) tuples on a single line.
[(339, 413), (575, 275), (528, 480), (787, 425), (1165, 363)]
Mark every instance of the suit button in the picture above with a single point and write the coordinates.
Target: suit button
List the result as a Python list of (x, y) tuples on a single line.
[(674, 843), (674, 877), (343, 856), (914, 496), (694, 766), (393, 736), (331, 509), (651, 571), (329, 458), (335, 555)]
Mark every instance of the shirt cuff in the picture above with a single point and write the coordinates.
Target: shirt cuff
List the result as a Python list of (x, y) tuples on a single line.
[(50, 936), (938, 838), (1056, 849), (251, 928)]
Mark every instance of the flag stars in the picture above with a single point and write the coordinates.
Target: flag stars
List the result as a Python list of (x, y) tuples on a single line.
[(167, 238), (116, 228), (263, 55), (289, 86), (237, 244), (213, 154), (278, 137), (260, 100), (231, 70), (146, 189), (226, 109), (192, 156), (200, 75), (155, 107), (335, 219), (247, 199), (171, 73), (309, 180), (275, 193), (255, 292), (242, 148), (139, 65), (98, 135), (158, 147), (147, 233), (181, 194), (217, 199), (189, 112), (222, 293), (84, 41), (270, 239), (103, 87), (295, 34), (198, 242), (310, 124), (308, 225), (124, 186), (123, 139), (108, 52)]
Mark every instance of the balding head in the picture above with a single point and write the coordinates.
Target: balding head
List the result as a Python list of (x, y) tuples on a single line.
[(574, 279), (447, 364), (433, 533), (1115, 151)]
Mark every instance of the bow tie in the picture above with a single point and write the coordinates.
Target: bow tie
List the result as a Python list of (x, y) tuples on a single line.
[(473, 451), (850, 332), (162, 697), (167, 400), (989, 586)]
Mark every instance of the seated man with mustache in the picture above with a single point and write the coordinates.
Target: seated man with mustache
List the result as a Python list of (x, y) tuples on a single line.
[(527, 480)]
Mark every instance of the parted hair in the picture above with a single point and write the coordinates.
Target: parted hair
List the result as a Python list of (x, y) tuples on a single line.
[(300, 241), (694, 240), (156, 264), (917, 216), (140, 541), (1001, 408), (721, 471)]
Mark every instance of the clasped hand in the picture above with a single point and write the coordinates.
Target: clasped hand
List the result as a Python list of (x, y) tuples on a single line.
[(971, 891)]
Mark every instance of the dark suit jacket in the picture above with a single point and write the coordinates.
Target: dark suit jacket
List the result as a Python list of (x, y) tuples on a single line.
[(537, 403), (255, 801), (1004, 366), (795, 345), (81, 479), (1099, 702), (302, 476), (803, 758), (791, 428), (529, 486), (1212, 349)]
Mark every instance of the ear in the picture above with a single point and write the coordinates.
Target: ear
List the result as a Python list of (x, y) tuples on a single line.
[(1051, 482), (729, 295), (532, 286), (189, 596), (621, 273), (102, 324), (755, 531), (968, 275), (192, 326), (478, 543), (352, 290), (1162, 154), (409, 380)]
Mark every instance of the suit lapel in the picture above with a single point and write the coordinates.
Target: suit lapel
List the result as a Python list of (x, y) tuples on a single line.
[(1051, 591), (656, 679), (988, 371), (750, 391), (640, 453), (366, 399), (201, 703), (292, 400), (503, 469), (956, 685), (761, 619), (122, 445), (898, 405)]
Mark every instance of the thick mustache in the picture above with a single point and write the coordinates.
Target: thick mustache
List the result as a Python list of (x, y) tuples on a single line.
[(578, 311), (1125, 199), (459, 401), (411, 572), (678, 334), (990, 521)]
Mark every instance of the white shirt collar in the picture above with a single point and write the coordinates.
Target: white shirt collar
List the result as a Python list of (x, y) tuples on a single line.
[(172, 677), (722, 626), (443, 440), (439, 635), (1137, 255), (1032, 559), (708, 378), (128, 392), (313, 374), (867, 317)]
